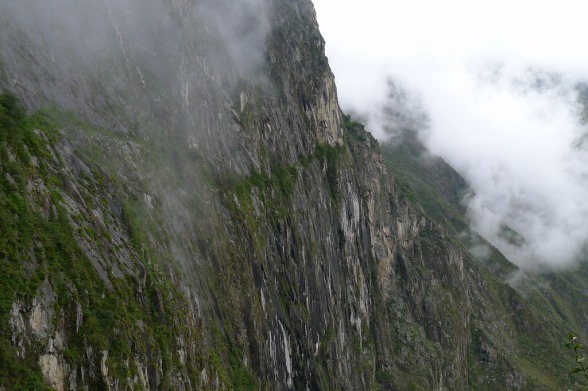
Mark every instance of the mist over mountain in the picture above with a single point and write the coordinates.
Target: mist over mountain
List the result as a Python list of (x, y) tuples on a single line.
[(499, 87), (517, 141), (185, 206)]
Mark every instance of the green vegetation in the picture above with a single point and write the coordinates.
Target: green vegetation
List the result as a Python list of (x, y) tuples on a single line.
[(20, 239), (38, 245), (354, 128), (275, 191), (581, 365), (427, 182), (276, 188)]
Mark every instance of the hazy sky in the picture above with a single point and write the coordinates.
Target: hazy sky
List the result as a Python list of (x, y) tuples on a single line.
[(475, 66)]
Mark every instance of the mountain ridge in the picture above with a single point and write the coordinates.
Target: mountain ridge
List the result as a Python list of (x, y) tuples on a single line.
[(235, 234)]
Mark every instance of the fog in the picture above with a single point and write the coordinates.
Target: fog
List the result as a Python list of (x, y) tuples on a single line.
[(159, 34), (161, 70), (498, 83), (243, 26)]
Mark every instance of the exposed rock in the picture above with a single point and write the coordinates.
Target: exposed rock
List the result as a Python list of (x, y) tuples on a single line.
[(42, 312), (201, 223), (54, 371)]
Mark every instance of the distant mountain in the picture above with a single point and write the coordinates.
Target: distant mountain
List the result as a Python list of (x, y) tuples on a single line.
[(431, 184)]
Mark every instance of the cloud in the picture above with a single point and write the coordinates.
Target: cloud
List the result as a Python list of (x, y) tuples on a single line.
[(243, 27), (498, 82), (516, 145)]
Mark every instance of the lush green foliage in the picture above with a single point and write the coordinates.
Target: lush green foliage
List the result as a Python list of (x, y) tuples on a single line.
[(354, 128), (19, 236), (580, 367), (38, 244)]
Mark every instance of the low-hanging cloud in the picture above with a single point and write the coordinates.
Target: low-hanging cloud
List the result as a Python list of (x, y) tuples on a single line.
[(517, 145), (231, 34), (243, 26), (499, 83)]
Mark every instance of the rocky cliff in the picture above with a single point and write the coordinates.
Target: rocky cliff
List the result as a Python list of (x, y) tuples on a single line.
[(184, 206)]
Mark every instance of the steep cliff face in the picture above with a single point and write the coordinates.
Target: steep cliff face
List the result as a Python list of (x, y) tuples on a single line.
[(189, 210)]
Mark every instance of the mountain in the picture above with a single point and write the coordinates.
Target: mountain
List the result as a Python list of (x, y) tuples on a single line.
[(183, 205), (430, 184)]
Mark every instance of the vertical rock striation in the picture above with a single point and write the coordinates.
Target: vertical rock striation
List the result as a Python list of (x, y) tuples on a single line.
[(218, 225)]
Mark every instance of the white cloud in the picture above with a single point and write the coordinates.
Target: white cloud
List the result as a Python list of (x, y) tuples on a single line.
[(475, 65)]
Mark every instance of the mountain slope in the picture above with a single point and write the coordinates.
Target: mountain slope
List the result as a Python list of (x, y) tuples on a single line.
[(554, 295), (186, 214)]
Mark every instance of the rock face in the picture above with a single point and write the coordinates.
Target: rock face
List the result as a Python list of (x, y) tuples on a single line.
[(191, 211)]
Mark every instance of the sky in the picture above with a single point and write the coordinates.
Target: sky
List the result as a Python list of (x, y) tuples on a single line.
[(498, 82)]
